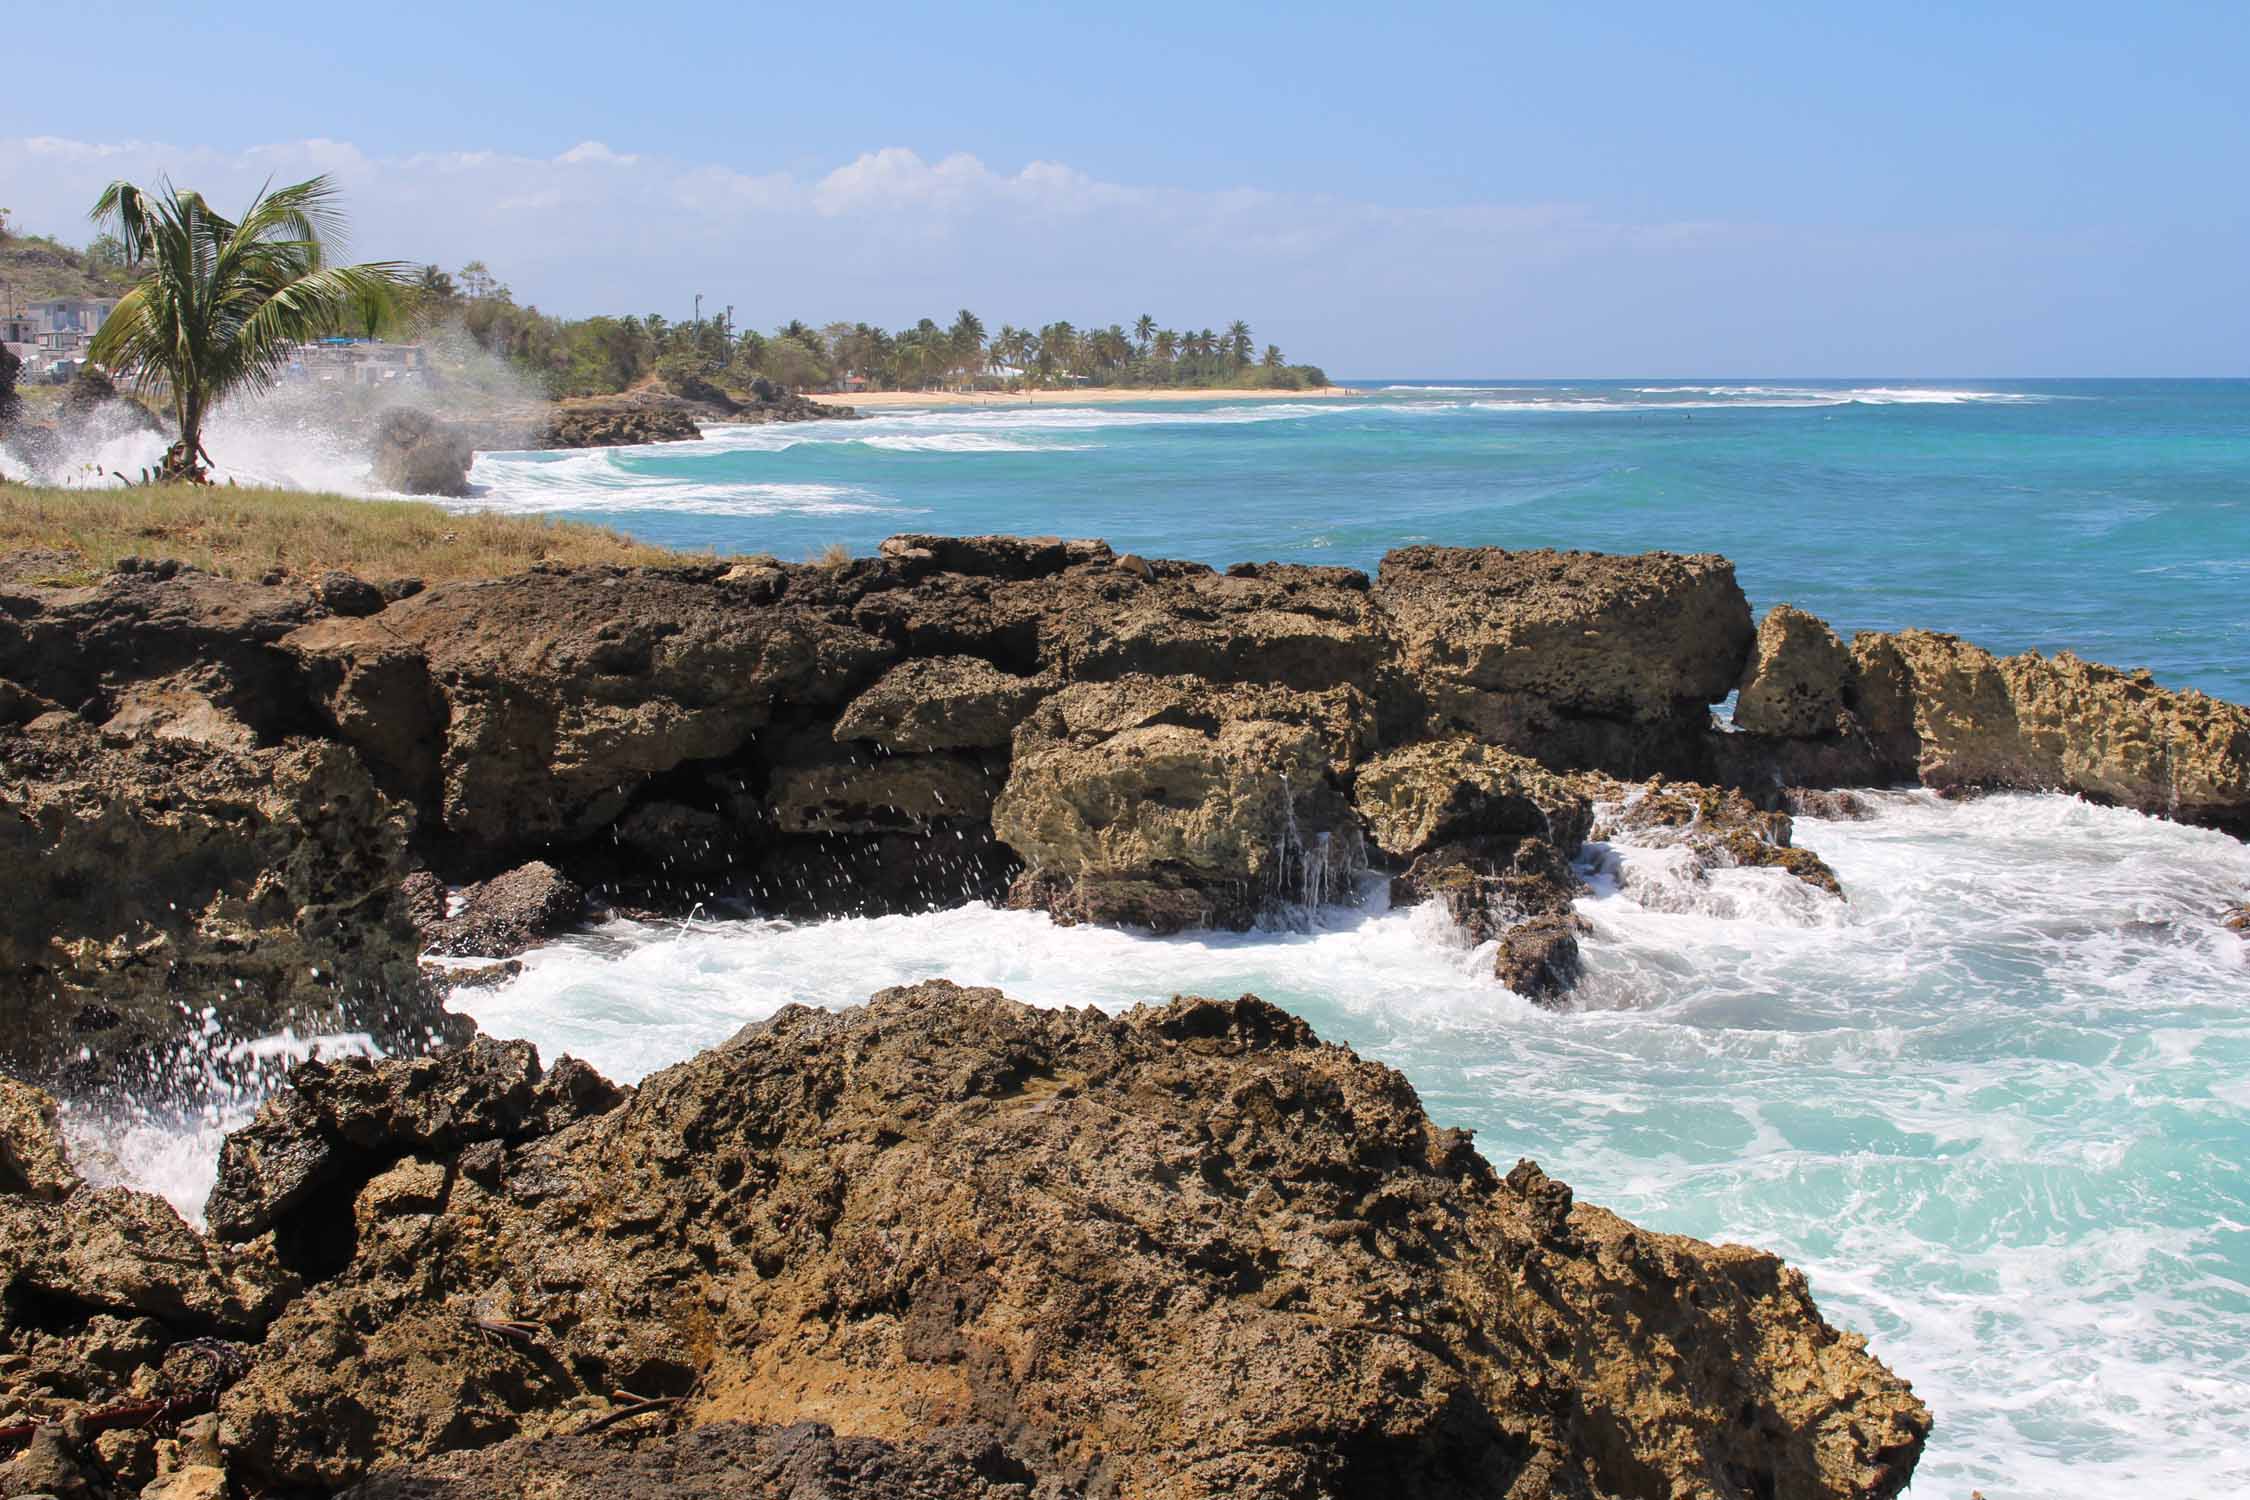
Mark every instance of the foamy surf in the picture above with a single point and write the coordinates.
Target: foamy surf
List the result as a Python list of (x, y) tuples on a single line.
[(1988, 1103)]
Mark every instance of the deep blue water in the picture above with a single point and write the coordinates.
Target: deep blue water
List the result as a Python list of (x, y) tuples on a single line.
[(2108, 517)]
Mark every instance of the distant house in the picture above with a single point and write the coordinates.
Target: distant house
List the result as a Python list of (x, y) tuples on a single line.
[(58, 332)]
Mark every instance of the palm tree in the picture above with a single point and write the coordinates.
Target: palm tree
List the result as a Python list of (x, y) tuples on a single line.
[(1239, 342), (1144, 329), (1167, 345), (225, 301), (1273, 357)]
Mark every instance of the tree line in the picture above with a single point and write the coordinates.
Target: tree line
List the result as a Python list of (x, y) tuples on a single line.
[(600, 355)]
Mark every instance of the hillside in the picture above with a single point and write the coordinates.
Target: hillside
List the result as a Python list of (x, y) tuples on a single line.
[(33, 267)]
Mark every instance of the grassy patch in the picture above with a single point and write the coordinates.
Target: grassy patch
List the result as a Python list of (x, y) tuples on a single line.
[(246, 533)]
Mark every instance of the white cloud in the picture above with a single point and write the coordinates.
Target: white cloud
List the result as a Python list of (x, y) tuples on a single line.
[(595, 151), (891, 235)]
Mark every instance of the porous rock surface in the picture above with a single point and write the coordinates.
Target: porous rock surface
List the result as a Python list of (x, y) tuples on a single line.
[(1579, 658), (1169, 803), (990, 1250), (1140, 741), (159, 877)]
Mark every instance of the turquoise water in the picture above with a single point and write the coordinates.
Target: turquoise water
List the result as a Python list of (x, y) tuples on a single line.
[(1996, 1104), (2112, 517)]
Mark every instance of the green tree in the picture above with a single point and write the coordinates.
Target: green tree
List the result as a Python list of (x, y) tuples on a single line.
[(105, 255), (225, 301), (1144, 329), (1239, 343)]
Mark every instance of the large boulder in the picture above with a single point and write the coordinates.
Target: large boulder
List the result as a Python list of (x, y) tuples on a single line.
[(1168, 802), (503, 916), (1187, 1252), (1800, 678), (419, 454), (1959, 717), (1576, 658), (175, 900), (1420, 796)]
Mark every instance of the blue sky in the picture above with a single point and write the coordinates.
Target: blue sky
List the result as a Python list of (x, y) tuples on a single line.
[(1658, 189)]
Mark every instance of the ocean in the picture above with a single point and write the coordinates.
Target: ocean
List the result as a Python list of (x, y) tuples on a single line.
[(1996, 1104)]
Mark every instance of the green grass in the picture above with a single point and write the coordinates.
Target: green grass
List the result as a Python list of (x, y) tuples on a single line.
[(247, 533)]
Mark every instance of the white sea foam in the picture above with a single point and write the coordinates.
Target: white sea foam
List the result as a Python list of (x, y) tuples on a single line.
[(1988, 1102)]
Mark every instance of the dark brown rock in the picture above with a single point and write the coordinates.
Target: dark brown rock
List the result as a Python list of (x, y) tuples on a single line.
[(264, 883), (503, 916), (33, 1159), (726, 1461), (1189, 1252)]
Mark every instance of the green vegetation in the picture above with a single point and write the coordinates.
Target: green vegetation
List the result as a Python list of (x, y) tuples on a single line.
[(599, 355), (246, 533), (224, 303), (34, 268)]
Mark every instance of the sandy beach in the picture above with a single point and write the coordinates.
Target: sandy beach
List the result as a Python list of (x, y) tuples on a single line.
[(880, 400)]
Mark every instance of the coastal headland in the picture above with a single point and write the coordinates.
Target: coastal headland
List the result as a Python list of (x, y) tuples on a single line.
[(944, 1243)]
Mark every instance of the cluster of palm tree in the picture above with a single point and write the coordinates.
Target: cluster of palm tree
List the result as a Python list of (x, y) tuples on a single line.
[(927, 356)]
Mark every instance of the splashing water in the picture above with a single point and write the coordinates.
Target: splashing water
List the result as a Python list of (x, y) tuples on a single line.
[(1992, 1104)]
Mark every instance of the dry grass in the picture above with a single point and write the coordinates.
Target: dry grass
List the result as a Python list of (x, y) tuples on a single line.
[(832, 556), (246, 533)]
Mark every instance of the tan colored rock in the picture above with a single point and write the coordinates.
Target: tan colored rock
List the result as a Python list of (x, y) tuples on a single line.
[(1620, 637), (1188, 1252), (33, 1159), (1799, 678), (1119, 789), (192, 1482), (2057, 723), (1443, 791), (942, 703)]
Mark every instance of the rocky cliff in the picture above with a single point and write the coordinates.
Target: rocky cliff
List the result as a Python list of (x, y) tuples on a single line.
[(1111, 739), (942, 1245)]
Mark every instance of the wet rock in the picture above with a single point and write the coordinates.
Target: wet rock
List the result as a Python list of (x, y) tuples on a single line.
[(503, 916), (1007, 557), (120, 1254), (419, 454), (262, 885), (1186, 1252), (616, 422), (1516, 891), (1824, 802), (1445, 791), (1573, 658), (727, 1461), (2237, 919), (1539, 959), (340, 1124), (1960, 717), (1721, 827), (33, 1160), (942, 703), (1799, 678), (1119, 792)]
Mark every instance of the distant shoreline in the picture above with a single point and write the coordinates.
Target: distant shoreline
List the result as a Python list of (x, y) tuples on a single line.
[(1098, 395)]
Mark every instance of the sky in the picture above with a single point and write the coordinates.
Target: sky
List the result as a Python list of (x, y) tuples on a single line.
[(1416, 190)]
